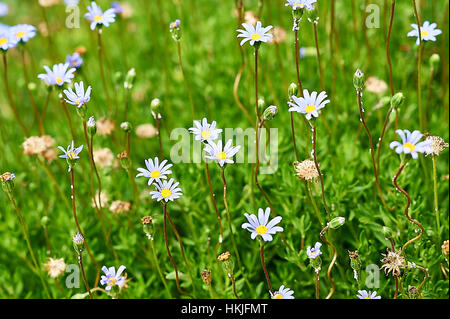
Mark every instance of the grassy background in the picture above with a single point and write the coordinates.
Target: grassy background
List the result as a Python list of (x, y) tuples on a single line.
[(211, 58)]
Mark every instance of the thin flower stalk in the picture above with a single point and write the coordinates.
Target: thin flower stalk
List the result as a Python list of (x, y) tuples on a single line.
[(419, 66), (27, 239), (44, 111), (257, 167), (186, 84), (263, 264), (436, 205), (66, 112), (181, 291), (74, 211), (213, 198), (156, 261), (83, 274), (102, 70), (371, 148)]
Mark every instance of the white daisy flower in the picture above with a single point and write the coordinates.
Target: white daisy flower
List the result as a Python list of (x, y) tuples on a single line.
[(300, 4), (314, 252), (222, 156), (155, 171), (367, 295), (283, 293), (409, 144), (204, 131), (166, 190), (71, 153), (428, 32), (261, 226), (309, 104), (255, 34)]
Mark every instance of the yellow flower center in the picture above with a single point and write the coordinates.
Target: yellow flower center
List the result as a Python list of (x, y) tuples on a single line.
[(206, 134), (367, 297), (261, 229), (310, 108), (58, 80), (256, 36), (410, 146), (112, 282), (155, 174), (98, 18), (20, 34), (71, 155), (221, 156), (424, 33), (3, 41), (278, 296), (166, 193)]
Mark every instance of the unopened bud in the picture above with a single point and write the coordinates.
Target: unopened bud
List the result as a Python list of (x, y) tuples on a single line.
[(78, 243), (7, 180), (358, 79), (45, 220), (292, 90), (312, 15), (126, 126), (91, 126), (129, 79), (387, 232), (156, 106), (337, 222), (261, 104), (176, 30), (397, 100), (435, 59), (270, 113)]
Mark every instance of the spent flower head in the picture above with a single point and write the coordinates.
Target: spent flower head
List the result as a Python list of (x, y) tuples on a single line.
[(55, 267), (393, 262), (306, 170), (436, 145)]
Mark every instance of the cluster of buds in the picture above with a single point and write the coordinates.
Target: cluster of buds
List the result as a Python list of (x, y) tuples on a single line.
[(147, 226), (176, 30), (227, 263)]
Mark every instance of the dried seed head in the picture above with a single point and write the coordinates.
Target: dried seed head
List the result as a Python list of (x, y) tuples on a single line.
[(437, 145), (119, 207), (224, 256), (353, 254), (146, 220), (34, 145), (306, 170), (55, 267), (393, 262), (206, 276)]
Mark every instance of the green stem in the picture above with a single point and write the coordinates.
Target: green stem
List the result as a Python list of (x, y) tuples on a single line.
[(180, 61), (155, 257), (436, 207)]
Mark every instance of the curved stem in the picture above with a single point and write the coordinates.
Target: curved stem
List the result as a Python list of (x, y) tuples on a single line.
[(372, 150), (233, 283), (408, 203), (383, 132), (66, 112), (425, 271), (333, 261)]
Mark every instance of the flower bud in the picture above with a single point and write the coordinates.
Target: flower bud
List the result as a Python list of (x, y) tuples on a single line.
[(397, 100), (358, 79), (387, 232), (270, 113), (155, 106), (435, 59), (126, 126), (124, 160), (78, 243), (176, 30), (297, 13), (337, 222), (129, 79), (312, 15), (316, 263), (261, 104), (45, 220), (7, 180), (117, 77), (147, 226), (91, 126), (292, 90)]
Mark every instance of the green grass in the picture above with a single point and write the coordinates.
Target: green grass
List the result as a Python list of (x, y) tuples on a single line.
[(211, 58)]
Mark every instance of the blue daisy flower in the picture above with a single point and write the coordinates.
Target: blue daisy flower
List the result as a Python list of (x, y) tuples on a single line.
[(23, 32), (74, 60), (59, 75), (98, 17)]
